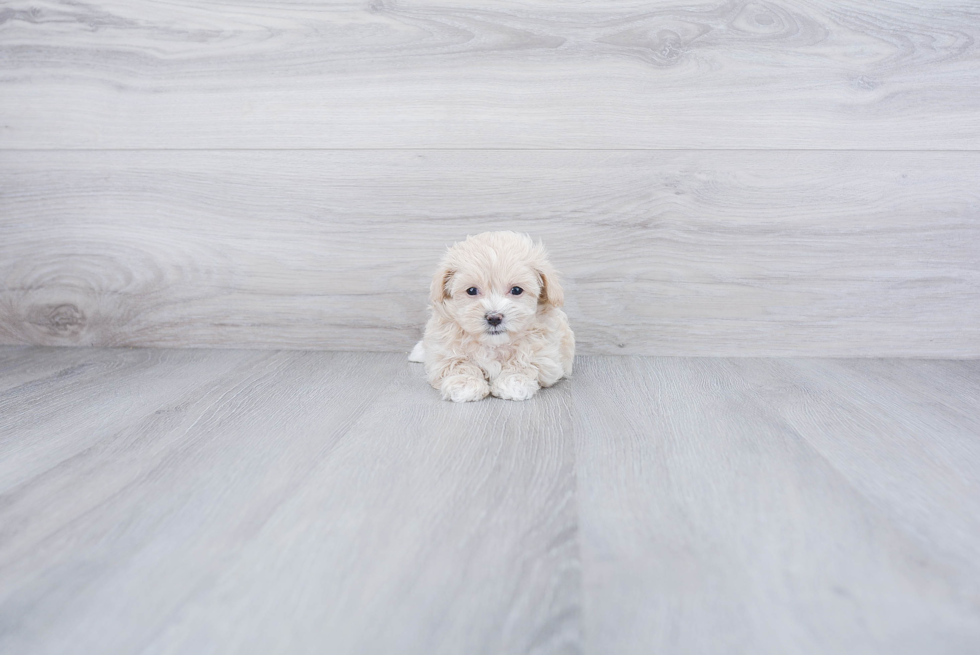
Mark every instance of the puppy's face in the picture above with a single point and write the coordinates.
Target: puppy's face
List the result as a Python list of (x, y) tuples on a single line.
[(493, 285), (499, 300)]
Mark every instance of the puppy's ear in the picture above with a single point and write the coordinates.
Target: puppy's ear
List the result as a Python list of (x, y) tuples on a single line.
[(551, 291), (439, 289)]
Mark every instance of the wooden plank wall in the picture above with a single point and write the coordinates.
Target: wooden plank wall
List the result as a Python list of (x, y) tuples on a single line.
[(720, 178)]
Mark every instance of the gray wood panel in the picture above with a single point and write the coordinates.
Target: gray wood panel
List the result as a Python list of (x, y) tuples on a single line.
[(259, 502), (681, 253), (26, 365), (293, 502), (895, 413), (67, 409), (774, 506), (490, 74)]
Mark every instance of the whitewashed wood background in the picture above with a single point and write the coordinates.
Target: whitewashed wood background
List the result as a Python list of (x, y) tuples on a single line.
[(724, 178)]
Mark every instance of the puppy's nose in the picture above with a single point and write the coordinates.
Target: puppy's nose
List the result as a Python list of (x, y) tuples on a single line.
[(494, 319)]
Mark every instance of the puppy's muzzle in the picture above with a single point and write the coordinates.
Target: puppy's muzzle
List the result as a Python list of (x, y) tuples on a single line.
[(495, 319)]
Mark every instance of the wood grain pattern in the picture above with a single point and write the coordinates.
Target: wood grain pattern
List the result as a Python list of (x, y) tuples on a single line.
[(254, 502), (923, 412), (490, 74), (25, 365), (285, 502), (67, 410), (721, 253), (774, 506)]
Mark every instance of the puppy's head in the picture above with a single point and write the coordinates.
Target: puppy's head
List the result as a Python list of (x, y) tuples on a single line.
[(493, 284)]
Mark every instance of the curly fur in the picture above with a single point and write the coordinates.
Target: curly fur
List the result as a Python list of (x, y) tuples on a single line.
[(467, 358)]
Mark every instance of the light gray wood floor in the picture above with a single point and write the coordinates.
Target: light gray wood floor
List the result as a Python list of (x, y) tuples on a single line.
[(206, 501)]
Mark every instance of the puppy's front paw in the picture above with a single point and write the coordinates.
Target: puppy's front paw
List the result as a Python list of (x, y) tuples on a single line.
[(515, 386), (464, 388)]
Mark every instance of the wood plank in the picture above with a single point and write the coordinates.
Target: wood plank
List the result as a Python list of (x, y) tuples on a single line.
[(710, 522), (72, 408), (26, 365), (432, 528), (490, 74), (304, 502), (291, 501), (133, 525), (679, 253), (906, 434)]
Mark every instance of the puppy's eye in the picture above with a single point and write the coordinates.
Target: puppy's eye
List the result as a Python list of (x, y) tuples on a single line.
[(472, 291), (517, 291)]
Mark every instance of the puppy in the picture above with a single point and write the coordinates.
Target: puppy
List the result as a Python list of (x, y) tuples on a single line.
[(495, 324)]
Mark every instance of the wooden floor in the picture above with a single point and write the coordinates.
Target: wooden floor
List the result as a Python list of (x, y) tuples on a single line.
[(209, 501)]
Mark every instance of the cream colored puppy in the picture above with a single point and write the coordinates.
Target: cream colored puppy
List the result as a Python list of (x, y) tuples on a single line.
[(495, 326)]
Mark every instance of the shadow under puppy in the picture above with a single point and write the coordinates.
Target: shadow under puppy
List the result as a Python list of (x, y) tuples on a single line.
[(495, 324)]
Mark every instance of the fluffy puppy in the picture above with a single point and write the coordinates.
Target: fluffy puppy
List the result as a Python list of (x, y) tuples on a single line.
[(495, 324)]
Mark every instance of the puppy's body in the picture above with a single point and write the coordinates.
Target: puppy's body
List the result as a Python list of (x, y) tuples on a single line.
[(496, 327)]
